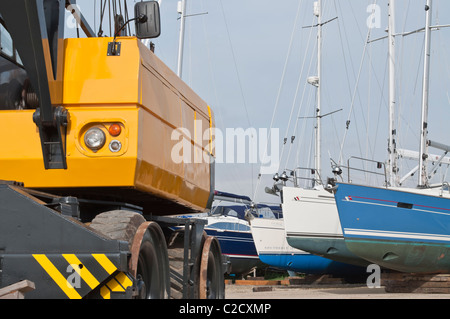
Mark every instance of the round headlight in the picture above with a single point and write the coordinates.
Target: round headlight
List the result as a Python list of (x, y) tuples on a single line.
[(94, 138)]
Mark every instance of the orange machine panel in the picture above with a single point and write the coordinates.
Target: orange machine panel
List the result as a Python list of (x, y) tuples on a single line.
[(137, 95)]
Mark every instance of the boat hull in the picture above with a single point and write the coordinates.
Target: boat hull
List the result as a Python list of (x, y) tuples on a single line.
[(313, 225), (274, 250), (239, 247), (407, 231)]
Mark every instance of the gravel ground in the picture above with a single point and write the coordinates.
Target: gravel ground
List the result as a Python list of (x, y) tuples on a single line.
[(335, 292)]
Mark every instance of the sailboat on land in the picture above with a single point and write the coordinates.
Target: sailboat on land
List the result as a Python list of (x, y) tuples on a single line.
[(228, 223), (273, 249), (311, 219), (407, 230)]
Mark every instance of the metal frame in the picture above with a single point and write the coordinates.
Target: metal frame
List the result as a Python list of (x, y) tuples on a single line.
[(193, 235)]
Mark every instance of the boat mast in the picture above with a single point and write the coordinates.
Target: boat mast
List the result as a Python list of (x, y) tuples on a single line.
[(318, 155), (392, 149), (182, 11), (423, 151)]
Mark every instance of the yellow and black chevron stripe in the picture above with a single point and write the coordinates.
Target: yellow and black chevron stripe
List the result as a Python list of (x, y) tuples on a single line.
[(93, 269), (117, 284)]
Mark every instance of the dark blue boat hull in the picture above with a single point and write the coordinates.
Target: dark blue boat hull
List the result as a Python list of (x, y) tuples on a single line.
[(240, 248)]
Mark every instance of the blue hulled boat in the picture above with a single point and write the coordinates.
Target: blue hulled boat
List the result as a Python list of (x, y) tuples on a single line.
[(228, 225), (228, 222), (404, 230)]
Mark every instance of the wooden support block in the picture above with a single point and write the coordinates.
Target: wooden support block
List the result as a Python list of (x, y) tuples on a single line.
[(257, 282), (416, 283), (262, 288), (17, 290)]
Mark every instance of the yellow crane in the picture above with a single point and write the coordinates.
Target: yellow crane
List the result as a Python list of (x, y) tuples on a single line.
[(89, 179)]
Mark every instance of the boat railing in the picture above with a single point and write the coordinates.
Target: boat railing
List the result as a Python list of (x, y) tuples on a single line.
[(298, 175), (446, 185), (443, 186), (366, 162)]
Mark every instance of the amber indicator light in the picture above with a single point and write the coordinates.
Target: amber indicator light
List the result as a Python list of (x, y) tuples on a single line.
[(115, 129)]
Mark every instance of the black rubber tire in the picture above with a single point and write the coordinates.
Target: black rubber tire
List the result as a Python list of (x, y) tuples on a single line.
[(215, 285), (153, 262), (118, 224)]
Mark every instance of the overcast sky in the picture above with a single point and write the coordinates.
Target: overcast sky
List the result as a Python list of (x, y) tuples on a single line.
[(249, 60)]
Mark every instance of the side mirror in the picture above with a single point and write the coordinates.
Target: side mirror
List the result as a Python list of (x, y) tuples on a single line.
[(147, 19)]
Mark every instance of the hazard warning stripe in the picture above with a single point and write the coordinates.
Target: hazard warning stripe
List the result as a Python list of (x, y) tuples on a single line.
[(105, 292), (105, 262), (114, 285), (84, 273), (59, 279), (121, 280), (117, 284)]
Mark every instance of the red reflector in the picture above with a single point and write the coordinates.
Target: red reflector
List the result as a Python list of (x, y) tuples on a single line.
[(115, 129)]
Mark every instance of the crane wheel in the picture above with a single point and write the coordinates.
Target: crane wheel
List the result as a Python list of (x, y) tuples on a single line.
[(211, 283), (149, 261)]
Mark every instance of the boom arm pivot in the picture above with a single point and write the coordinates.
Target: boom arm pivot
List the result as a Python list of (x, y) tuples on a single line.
[(37, 29)]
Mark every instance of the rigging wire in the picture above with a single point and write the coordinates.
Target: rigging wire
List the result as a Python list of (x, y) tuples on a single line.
[(326, 9), (365, 122), (300, 80), (109, 7), (95, 14), (302, 98), (232, 172), (279, 91), (352, 113), (406, 126), (235, 64), (354, 94), (311, 100), (239, 80)]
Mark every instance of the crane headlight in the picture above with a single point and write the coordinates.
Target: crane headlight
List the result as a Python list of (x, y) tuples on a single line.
[(94, 138)]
